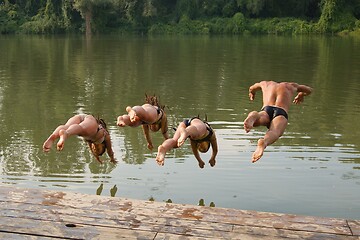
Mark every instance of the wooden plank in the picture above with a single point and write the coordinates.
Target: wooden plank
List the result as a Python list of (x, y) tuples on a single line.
[(14, 236), (95, 216), (151, 220), (55, 229), (170, 236), (179, 228), (355, 227), (276, 233), (105, 218)]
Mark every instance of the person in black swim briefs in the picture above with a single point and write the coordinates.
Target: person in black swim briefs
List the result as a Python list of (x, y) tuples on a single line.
[(151, 116), (201, 136), (92, 130), (277, 98)]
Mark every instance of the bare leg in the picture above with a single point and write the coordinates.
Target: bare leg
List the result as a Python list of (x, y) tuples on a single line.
[(86, 128), (194, 131), (183, 136), (131, 113), (49, 142), (123, 121), (276, 130), (63, 136), (55, 135), (167, 145), (250, 120), (259, 150), (160, 157), (145, 113), (78, 124)]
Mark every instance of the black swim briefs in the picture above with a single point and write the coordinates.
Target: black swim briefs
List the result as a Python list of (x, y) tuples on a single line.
[(273, 112)]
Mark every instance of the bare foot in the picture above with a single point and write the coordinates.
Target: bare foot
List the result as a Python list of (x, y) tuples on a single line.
[(249, 121), (48, 144), (182, 138), (61, 142), (259, 150), (160, 157), (120, 122), (131, 113)]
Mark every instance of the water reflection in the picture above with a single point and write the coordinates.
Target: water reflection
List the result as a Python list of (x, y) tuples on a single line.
[(202, 203), (113, 191), (100, 189)]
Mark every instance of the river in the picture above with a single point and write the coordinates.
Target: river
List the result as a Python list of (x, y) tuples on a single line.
[(314, 169)]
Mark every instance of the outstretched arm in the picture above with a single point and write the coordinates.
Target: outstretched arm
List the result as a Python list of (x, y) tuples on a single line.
[(253, 89), (196, 153), (214, 147), (302, 91), (147, 136), (164, 126), (109, 148)]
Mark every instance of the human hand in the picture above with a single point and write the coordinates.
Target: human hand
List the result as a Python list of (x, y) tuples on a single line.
[(212, 162), (150, 146), (251, 96), (113, 160), (201, 164), (299, 98), (99, 160)]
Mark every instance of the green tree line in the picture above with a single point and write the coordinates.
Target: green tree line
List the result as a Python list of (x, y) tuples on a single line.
[(179, 16)]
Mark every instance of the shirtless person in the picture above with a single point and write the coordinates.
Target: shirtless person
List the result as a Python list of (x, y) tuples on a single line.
[(277, 98), (151, 116), (201, 136), (93, 131)]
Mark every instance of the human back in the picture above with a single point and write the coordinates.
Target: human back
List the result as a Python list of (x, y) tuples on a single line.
[(278, 94)]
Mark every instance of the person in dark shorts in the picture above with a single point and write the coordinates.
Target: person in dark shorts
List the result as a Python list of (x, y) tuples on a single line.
[(201, 136), (277, 98)]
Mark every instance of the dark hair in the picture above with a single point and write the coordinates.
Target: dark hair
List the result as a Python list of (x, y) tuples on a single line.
[(101, 122), (94, 148), (95, 153), (103, 149), (153, 100), (207, 147)]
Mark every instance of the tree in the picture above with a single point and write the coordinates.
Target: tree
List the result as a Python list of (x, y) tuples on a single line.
[(85, 8), (251, 7), (336, 15)]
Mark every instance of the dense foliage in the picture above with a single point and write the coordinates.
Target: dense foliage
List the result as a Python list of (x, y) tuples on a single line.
[(179, 16)]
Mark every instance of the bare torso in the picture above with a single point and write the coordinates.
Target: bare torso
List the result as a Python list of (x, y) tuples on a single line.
[(278, 94)]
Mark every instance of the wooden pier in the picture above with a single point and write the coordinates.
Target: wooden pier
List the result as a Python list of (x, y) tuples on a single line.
[(43, 214)]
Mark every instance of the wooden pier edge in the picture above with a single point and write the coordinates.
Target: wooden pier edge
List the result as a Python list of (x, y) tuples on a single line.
[(46, 214)]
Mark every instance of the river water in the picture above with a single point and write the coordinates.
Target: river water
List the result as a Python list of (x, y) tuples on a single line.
[(314, 169)]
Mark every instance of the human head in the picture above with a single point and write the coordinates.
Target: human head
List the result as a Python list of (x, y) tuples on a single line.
[(98, 149), (204, 146)]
